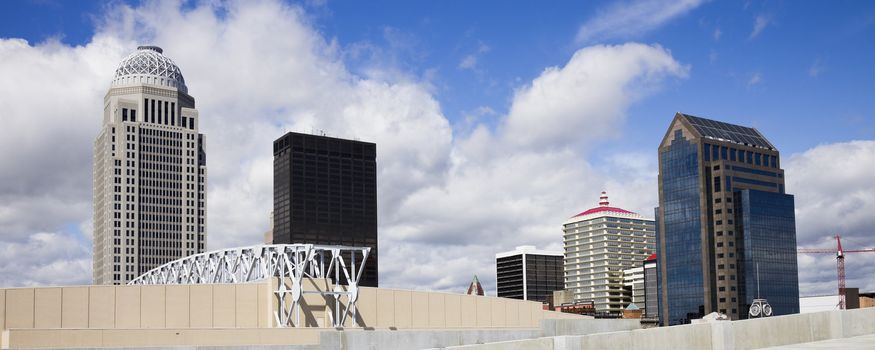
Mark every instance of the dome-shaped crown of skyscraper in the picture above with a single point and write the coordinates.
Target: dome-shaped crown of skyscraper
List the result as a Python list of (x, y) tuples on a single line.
[(148, 65)]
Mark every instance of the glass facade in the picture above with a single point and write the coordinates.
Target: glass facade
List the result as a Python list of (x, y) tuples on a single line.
[(325, 192), (766, 228), (679, 203), (543, 275), (722, 213)]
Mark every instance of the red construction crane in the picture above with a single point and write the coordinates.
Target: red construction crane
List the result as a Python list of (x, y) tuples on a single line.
[(840, 263)]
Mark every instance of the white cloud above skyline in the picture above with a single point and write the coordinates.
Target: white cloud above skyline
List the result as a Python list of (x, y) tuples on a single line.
[(448, 200), (760, 22), (625, 20)]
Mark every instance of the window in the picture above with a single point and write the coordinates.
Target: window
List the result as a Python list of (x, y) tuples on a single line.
[(723, 152), (719, 222), (757, 158), (707, 152), (719, 233), (716, 167), (718, 211), (124, 114), (133, 115), (732, 154), (718, 200), (716, 184), (749, 156)]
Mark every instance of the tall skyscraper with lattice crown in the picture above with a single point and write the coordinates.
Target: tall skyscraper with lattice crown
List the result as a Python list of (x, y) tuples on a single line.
[(149, 171)]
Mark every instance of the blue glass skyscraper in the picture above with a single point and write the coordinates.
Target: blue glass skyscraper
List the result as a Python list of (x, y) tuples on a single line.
[(726, 230)]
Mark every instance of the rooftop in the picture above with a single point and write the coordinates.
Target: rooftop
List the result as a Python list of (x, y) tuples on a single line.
[(148, 65), (528, 249), (721, 131), (604, 209)]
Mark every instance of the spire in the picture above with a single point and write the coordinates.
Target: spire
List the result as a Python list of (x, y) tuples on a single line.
[(603, 200), (475, 288)]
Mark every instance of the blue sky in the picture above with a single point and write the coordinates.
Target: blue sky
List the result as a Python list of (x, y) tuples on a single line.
[(487, 115), (809, 66)]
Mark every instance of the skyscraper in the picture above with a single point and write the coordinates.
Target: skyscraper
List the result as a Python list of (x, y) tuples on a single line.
[(527, 273), (726, 230), (600, 243), (149, 171), (325, 192)]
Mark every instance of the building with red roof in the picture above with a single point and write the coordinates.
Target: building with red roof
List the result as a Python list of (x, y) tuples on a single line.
[(599, 244)]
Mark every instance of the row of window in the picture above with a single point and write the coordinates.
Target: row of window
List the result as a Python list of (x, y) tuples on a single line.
[(715, 152)]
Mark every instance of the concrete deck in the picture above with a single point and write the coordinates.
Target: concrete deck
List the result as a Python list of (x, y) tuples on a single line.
[(853, 343)]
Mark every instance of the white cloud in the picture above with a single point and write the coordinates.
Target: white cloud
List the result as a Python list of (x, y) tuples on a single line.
[(759, 24), (470, 60), (755, 79), (717, 34), (816, 68), (583, 101), (630, 19), (448, 202), (838, 200)]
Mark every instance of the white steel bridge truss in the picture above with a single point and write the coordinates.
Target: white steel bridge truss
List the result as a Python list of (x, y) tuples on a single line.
[(288, 263)]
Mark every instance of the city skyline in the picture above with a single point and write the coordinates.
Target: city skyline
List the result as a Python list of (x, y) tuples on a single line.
[(471, 184)]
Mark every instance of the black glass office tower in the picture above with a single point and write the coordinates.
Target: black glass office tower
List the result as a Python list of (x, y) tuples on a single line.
[(325, 192), (529, 274), (723, 220)]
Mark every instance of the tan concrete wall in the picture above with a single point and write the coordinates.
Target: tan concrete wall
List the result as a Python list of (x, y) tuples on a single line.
[(136, 307), (71, 338), (250, 306), (401, 309)]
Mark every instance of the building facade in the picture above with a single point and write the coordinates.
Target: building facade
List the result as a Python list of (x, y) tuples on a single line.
[(325, 192), (529, 274), (599, 244), (651, 287), (722, 215), (633, 285), (149, 171)]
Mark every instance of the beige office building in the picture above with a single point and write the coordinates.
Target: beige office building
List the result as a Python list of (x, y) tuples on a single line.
[(149, 171), (599, 244)]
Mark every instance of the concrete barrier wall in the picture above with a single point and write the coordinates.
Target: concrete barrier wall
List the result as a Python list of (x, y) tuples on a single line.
[(136, 307), (722, 335), (403, 309), (78, 338), (251, 306)]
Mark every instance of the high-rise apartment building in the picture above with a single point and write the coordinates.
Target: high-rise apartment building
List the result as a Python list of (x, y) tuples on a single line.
[(527, 273), (149, 171), (722, 216), (599, 244), (325, 192)]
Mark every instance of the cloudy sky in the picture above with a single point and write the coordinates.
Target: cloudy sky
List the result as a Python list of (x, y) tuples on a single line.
[(494, 122)]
